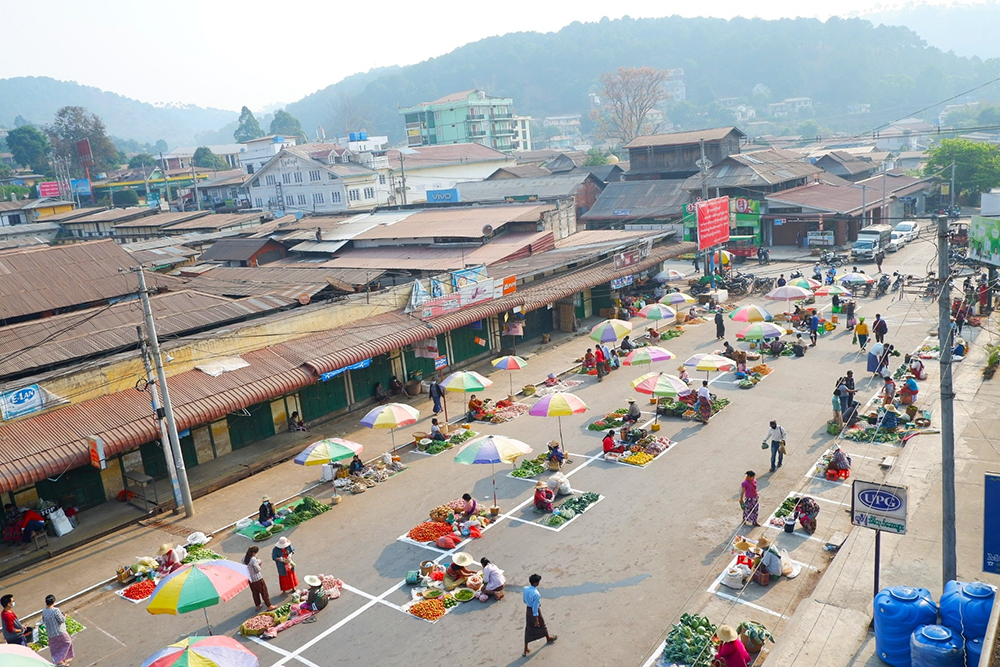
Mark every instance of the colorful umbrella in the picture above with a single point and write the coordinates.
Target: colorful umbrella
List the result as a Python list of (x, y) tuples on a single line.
[(709, 363), (492, 449), (760, 331), (751, 313), (391, 416), (802, 281), (328, 451), (677, 298), (609, 331), (855, 279), (559, 404), (647, 355), (830, 290), (466, 381), (510, 363), (669, 275), (723, 257), (658, 311), (788, 293), (203, 652), (15, 655), (660, 384), (198, 586)]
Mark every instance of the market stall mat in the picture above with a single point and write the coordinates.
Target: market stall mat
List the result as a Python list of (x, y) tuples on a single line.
[(138, 588), (563, 385), (254, 527), (580, 502), (639, 456), (436, 447), (72, 627)]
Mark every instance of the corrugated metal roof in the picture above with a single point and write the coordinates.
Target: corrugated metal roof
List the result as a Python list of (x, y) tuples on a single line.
[(633, 200), (113, 215), (343, 228), (682, 138), (70, 215), (290, 282), (597, 236), (160, 220), (39, 279), (235, 249), (424, 157), (556, 185), (459, 222), (522, 171), (762, 168), (220, 221), (328, 247)]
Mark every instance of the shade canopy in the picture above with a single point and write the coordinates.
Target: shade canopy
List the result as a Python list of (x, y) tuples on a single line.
[(677, 299), (390, 415), (669, 275), (610, 331), (198, 585), (559, 404), (789, 293), (658, 311), (647, 355), (327, 451), (509, 363), (806, 283), (830, 290), (660, 385), (709, 362), (760, 331), (15, 655), (491, 449), (215, 651), (466, 381), (751, 313), (855, 278)]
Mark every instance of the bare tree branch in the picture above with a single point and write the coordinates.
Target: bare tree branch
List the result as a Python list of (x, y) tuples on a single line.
[(627, 96)]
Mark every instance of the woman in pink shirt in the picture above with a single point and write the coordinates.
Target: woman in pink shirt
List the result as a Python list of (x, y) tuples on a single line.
[(731, 649)]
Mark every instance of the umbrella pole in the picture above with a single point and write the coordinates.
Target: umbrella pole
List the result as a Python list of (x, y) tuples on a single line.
[(392, 434), (207, 622), (510, 374), (444, 400), (494, 470), (561, 440)]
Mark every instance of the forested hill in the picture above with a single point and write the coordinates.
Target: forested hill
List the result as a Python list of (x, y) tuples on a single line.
[(837, 63)]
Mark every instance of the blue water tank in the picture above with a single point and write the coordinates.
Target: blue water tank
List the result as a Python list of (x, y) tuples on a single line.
[(898, 612), (363, 136), (973, 651), (966, 607), (936, 646), (354, 136)]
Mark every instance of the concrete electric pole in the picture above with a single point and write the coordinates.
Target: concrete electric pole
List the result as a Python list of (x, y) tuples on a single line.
[(949, 557), (154, 399)]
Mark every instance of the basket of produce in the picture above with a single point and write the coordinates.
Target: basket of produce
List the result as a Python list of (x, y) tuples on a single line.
[(449, 601), (690, 642), (442, 513), (464, 594), (475, 582), (258, 625), (432, 593)]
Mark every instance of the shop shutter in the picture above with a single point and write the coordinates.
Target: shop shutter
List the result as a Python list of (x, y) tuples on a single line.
[(189, 451), (322, 398), (363, 379), (536, 323), (154, 461), (601, 297), (464, 345), (245, 430), (424, 366), (82, 487)]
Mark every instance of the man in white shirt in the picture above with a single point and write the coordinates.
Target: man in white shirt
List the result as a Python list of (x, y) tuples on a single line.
[(776, 436)]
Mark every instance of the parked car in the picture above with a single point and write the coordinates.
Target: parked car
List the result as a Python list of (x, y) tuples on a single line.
[(910, 230), (896, 241)]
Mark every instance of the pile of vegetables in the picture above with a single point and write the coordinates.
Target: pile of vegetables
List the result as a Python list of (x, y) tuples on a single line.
[(139, 590), (761, 369), (787, 507), (671, 407), (439, 446), (528, 468), (871, 434), (670, 334), (429, 531), (718, 404), (449, 601), (198, 552), (555, 521), (253, 627), (580, 503), (637, 458), (429, 610), (72, 627), (690, 642), (464, 594), (462, 436), (442, 512), (433, 593)]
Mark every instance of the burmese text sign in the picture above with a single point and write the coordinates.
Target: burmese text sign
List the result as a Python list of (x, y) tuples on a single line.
[(879, 507), (713, 222)]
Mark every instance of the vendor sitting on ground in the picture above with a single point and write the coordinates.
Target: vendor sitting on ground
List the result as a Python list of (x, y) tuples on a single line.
[(610, 446), (436, 433), (654, 335), (888, 391), (682, 375), (551, 380), (397, 387), (266, 513), (839, 461), (627, 345), (775, 347), (470, 509), (169, 557), (379, 394), (475, 408), (961, 348), (543, 497), (295, 423), (317, 598), (770, 559), (589, 360), (555, 452), (357, 465), (728, 350), (799, 346), (493, 581), (457, 574), (908, 392), (806, 512), (633, 414), (917, 368)]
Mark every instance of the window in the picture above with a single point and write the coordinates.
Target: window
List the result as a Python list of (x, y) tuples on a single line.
[(302, 199), (256, 183), (335, 197), (369, 193), (298, 177), (381, 179), (286, 178), (318, 198), (260, 202), (249, 169), (332, 177), (290, 200), (314, 175), (353, 195), (270, 179)]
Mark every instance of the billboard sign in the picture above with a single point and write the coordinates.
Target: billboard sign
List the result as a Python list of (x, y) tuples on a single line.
[(97, 457), (20, 402), (504, 286), (84, 152), (984, 240), (443, 196), (468, 295), (879, 507), (48, 189), (80, 186), (466, 276), (440, 363), (991, 524), (713, 222)]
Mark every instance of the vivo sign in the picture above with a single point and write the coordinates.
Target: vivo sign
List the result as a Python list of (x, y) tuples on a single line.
[(879, 507), (443, 196)]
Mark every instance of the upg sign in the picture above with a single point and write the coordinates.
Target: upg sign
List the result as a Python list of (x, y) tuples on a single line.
[(879, 506), (880, 500)]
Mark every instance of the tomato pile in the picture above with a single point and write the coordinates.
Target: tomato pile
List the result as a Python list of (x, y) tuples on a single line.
[(429, 610), (429, 531), (140, 590)]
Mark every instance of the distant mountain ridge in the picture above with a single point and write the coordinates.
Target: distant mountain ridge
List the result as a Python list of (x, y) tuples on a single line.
[(37, 98), (961, 28)]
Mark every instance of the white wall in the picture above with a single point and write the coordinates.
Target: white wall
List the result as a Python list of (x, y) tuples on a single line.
[(335, 193)]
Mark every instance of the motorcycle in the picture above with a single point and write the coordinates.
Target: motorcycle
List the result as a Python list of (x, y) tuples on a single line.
[(898, 282), (883, 286), (953, 213), (867, 290), (831, 259), (818, 273), (794, 275), (831, 276), (764, 257)]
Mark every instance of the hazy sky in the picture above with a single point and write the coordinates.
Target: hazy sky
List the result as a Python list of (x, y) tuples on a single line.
[(225, 54)]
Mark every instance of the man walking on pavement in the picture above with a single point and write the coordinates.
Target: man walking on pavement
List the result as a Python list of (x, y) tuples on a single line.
[(879, 328), (879, 258), (776, 436), (437, 393), (813, 329), (720, 326)]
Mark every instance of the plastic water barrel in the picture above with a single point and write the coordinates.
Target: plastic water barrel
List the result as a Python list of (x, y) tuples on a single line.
[(966, 607), (363, 135), (898, 612), (936, 646), (973, 651)]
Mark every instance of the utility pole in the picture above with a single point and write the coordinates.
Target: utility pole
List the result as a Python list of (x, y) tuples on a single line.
[(154, 345), (949, 557), (154, 399), (402, 172), (864, 206), (704, 165), (166, 183), (951, 191), (194, 179), (884, 213)]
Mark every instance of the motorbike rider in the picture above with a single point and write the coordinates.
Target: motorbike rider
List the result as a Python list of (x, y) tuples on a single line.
[(883, 284), (818, 272), (831, 275), (898, 282)]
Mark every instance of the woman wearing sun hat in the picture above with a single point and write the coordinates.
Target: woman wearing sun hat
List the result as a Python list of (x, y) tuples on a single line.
[(731, 649), (456, 574), (317, 598), (770, 559), (281, 554)]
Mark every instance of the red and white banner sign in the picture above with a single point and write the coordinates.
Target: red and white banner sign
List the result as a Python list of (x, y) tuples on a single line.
[(713, 222), (468, 295), (504, 286), (48, 189)]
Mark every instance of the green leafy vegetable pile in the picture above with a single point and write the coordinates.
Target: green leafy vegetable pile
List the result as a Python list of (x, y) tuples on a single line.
[(690, 642)]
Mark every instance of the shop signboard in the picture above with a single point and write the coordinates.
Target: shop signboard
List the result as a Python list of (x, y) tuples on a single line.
[(991, 524), (879, 506), (440, 362), (504, 286), (20, 402), (365, 363), (713, 222), (48, 189), (97, 458), (84, 153), (80, 186), (624, 281), (468, 295), (824, 238), (443, 196), (984, 240), (466, 276)]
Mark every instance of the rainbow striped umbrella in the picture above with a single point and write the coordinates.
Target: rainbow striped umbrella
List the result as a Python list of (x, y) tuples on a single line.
[(709, 363), (658, 311), (466, 381), (203, 652), (647, 355), (609, 331), (677, 298), (760, 331), (328, 451), (559, 404), (15, 655), (492, 449), (660, 384), (855, 279), (788, 293), (802, 281), (751, 313), (391, 416), (830, 290), (198, 586), (510, 363)]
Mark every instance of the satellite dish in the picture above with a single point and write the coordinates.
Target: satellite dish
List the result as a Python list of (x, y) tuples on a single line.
[(487, 230), (304, 299)]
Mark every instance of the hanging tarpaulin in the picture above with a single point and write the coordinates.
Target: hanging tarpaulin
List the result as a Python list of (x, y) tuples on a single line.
[(437, 288), (462, 278), (426, 349), (515, 328), (26, 400), (353, 367), (417, 297)]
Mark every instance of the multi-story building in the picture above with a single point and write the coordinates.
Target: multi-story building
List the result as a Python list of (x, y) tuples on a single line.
[(470, 116), (180, 158), (260, 151), (522, 133)]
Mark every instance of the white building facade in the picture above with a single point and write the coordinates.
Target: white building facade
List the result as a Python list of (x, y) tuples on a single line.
[(293, 181)]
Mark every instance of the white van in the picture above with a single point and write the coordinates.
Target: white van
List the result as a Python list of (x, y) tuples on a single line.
[(871, 240), (909, 229)]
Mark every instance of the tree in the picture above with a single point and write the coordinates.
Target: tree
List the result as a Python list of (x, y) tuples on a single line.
[(205, 158), (142, 160), (73, 124), (19, 121), (627, 95), (350, 114), (125, 198), (977, 165), (286, 124), (160, 146), (595, 158), (248, 127), (30, 148)]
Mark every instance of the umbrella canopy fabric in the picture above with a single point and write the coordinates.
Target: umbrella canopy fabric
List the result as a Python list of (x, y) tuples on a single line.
[(830, 290), (328, 451), (709, 362), (647, 355), (216, 651), (390, 415), (609, 331), (855, 278), (802, 281), (509, 363), (723, 257), (15, 655), (559, 404), (198, 585), (788, 293), (751, 313), (669, 275), (466, 381), (491, 449), (661, 385), (658, 311), (677, 298), (760, 331)]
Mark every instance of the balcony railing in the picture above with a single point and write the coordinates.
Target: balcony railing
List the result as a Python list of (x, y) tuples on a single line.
[(501, 115)]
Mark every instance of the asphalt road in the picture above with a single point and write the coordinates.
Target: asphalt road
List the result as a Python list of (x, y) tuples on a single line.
[(613, 580)]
